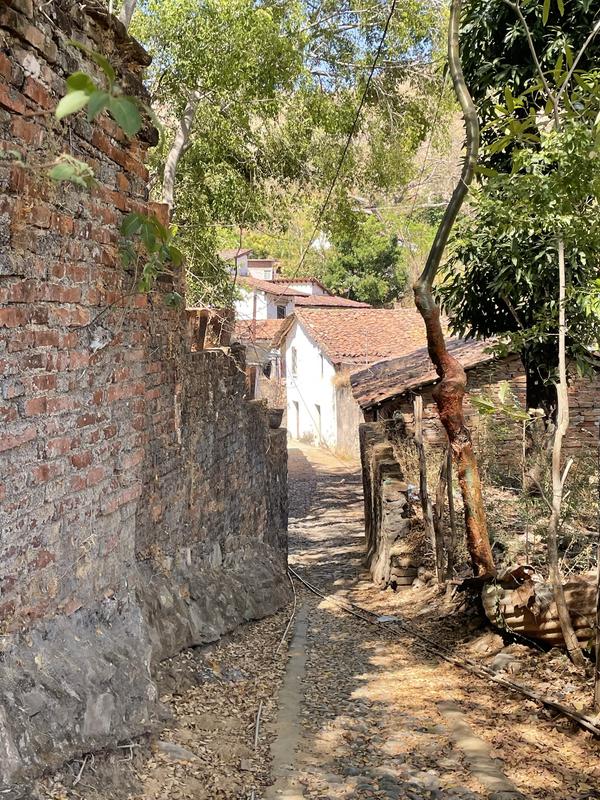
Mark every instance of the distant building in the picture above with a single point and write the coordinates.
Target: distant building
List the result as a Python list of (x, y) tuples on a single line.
[(319, 347)]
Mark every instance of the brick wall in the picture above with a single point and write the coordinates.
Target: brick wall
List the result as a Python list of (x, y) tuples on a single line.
[(142, 498), (497, 439)]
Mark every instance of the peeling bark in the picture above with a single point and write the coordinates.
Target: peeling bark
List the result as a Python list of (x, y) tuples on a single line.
[(450, 391)]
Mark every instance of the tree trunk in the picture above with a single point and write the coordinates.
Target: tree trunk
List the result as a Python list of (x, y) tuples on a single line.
[(182, 135), (449, 392), (127, 12), (558, 479), (597, 643), (540, 395)]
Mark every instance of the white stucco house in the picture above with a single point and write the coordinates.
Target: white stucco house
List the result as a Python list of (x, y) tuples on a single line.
[(319, 347)]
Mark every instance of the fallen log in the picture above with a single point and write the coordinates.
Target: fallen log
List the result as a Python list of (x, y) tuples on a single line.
[(521, 601)]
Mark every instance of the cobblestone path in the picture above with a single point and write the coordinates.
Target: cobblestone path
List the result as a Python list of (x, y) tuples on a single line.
[(362, 715)]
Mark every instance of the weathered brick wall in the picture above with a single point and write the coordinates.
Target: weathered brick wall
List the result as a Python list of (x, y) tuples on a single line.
[(142, 498), (498, 439)]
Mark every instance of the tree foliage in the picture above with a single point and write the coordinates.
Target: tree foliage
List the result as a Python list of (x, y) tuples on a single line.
[(536, 186), (279, 82)]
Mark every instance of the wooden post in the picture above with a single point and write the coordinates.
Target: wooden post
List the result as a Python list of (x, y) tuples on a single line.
[(428, 518)]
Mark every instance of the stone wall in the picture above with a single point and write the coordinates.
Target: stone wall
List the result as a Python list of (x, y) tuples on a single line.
[(389, 555), (142, 497)]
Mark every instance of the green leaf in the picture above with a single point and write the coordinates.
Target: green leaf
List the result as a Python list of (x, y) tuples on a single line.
[(174, 299), (546, 11), (126, 114), (80, 82), (67, 168), (561, 7), (71, 104), (105, 65), (98, 102), (131, 224)]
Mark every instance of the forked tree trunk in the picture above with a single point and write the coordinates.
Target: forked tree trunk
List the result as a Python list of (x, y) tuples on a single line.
[(450, 391)]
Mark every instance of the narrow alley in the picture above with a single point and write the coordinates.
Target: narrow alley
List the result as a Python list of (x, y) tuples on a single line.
[(378, 716), (346, 711)]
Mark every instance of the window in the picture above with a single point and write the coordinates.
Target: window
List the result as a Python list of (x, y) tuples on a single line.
[(294, 362), (280, 312), (322, 365), (268, 274), (318, 419)]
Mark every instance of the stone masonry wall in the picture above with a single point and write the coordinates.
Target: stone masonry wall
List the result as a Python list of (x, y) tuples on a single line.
[(387, 510), (142, 498)]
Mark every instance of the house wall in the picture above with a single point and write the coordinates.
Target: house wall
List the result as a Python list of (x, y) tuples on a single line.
[(271, 306), (128, 525), (349, 414), (480, 380), (307, 287), (266, 305), (313, 385)]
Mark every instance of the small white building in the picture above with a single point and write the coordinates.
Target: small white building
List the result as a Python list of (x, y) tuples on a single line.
[(319, 348)]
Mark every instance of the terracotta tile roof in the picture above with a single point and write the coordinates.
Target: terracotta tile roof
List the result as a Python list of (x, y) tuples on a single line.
[(329, 301), (363, 335), (301, 279), (268, 286), (247, 330), (395, 376), (233, 252)]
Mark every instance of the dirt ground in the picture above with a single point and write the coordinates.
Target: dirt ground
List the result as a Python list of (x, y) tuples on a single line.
[(346, 710)]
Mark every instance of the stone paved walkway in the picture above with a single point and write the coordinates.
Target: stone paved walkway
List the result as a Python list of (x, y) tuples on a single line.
[(363, 715)]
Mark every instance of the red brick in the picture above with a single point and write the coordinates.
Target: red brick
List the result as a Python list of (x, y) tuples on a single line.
[(12, 317), (130, 460), (87, 419), (79, 359), (28, 132), (71, 317), (56, 405), (81, 460), (42, 559), (9, 441), (5, 67), (44, 382), (8, 413), (38, 93), (95, 476), (46, 472), (61, 445), (35, 407), (110, 431), (13, 100), (46, 338)]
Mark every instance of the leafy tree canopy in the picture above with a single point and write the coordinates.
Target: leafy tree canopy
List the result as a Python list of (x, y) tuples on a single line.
[(279, 82), (537, 185)]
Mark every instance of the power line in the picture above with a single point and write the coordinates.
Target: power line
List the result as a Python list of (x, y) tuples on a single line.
[(346, 146)]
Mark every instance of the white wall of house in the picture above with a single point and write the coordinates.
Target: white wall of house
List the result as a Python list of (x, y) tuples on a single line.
[(311, 406), (244, 305), (306, 286), (273, 301), (266, 304)]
